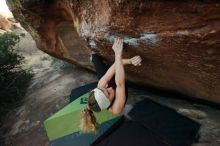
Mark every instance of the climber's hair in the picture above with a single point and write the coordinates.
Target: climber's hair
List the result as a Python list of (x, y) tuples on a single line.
[(88, 120)]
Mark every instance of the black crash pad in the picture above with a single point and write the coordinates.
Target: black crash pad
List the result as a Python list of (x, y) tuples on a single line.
[(152, 125), (175, 129), (77, 92), (130, 133)]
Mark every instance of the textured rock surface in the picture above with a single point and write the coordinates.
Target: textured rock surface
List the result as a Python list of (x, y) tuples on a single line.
[(178, 41)]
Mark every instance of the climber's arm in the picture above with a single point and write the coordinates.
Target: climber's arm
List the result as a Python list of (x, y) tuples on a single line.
[(103, 82)]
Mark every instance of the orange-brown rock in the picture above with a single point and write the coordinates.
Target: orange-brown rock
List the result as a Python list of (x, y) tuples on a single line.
[(5, 25), (178, 41)]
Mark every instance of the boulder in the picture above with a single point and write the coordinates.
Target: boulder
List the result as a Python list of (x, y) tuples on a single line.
[(178, 40), (5, 25)]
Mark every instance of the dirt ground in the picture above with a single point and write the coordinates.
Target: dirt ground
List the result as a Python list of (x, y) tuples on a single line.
[(50, 89)]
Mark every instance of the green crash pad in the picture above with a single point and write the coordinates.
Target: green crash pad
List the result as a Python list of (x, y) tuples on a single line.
[(67, 120)]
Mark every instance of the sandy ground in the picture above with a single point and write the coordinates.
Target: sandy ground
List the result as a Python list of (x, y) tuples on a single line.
[(49, 92)]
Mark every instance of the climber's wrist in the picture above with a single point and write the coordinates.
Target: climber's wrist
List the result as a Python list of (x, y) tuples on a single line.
[(126, 61)]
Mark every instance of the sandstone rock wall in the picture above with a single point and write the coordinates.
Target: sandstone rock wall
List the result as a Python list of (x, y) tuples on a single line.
[(179, 41)]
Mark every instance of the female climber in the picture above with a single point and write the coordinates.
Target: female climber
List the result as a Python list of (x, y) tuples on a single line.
[(111, 91)]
